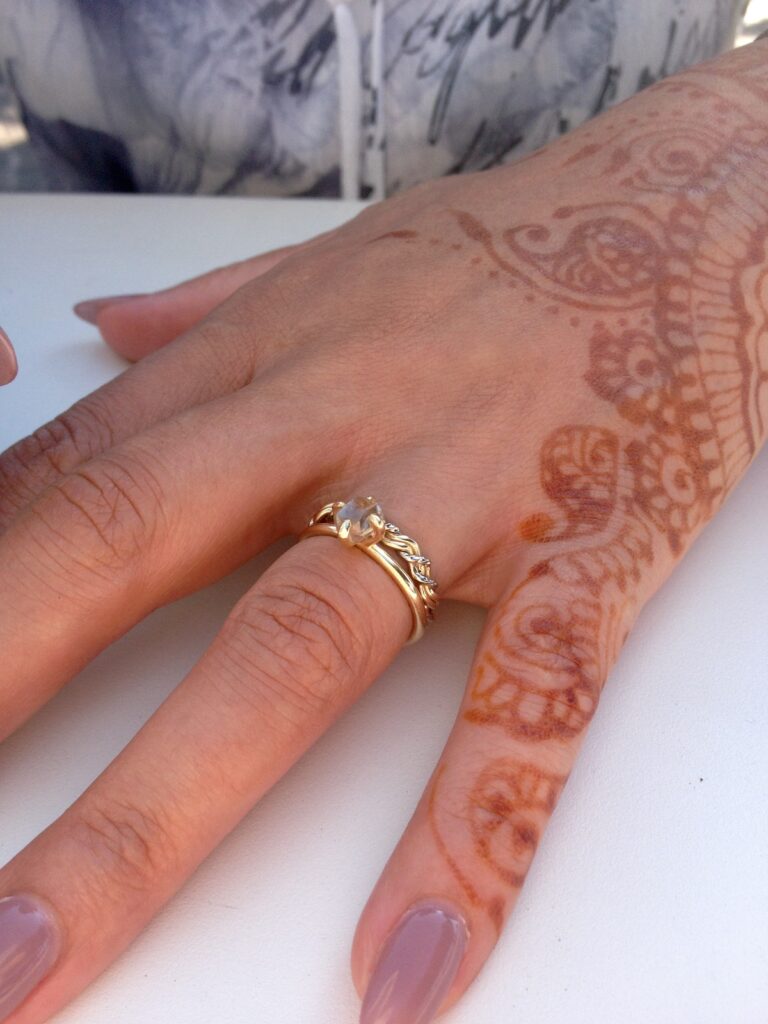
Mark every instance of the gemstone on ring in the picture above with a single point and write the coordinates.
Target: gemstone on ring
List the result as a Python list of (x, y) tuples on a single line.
[(360, 521)]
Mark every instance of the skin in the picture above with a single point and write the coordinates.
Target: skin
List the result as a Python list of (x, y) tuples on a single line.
[(8, 364), (552, 374)]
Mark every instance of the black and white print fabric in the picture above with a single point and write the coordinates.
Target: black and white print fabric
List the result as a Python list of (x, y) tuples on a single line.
[(271, 97)]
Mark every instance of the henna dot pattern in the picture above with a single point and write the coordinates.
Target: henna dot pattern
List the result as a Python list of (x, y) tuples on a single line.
[(664, 286)]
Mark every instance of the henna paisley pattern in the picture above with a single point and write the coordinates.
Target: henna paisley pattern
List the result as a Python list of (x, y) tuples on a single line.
[(579, 471), (607, 256), (668, 286)]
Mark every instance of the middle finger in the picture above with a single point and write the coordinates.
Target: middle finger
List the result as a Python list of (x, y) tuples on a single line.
[(215, 359), (309, 636), (296, 650), (158, 516)]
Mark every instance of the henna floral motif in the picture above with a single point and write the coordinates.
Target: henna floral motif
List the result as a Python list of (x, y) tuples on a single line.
[(508, 807), (669, 281), (669, 489), (506, 811), (631, 371)]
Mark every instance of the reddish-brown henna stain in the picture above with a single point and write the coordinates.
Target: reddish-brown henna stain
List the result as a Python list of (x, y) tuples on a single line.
[(496, 910), (403, 234), (469, 889), (579, 472), (511, 803), (589, 150), (670, 282)]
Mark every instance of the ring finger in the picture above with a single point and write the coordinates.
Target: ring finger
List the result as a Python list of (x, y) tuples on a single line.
[(319, 625)]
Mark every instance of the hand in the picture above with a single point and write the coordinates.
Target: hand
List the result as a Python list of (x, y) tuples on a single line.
[(8, 364), (551, 374)]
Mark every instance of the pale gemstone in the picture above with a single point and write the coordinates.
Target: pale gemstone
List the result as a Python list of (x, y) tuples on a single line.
[(357, 513)]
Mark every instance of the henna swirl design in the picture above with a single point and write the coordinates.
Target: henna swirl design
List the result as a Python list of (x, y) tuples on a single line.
[(545, 639), (579, 470), (541, 678), (606, 256), (672, 161), (510, 803), (670, 283)]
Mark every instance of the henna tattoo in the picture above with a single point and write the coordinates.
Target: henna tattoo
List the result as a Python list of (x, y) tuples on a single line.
[(629, 370), (606, 258), (560, 630), (509, 802), (669, 489), (579, 471), (669, 281), (507, 810)]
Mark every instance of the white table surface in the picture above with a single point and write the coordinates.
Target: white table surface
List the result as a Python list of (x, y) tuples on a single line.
[(648, 900)]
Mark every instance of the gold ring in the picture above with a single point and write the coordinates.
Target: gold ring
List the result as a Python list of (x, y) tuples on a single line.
[(360, 523)]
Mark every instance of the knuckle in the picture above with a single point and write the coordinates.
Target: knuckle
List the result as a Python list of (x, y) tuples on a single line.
[(55, 448), (103, 515), (80, 432), (127, 846), (561, 634), (295, 639), (224, 336)]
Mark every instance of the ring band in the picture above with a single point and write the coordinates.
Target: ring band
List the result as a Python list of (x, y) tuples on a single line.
[(360, 523)]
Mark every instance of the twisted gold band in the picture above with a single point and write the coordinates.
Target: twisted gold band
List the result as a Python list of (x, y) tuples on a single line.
[(360, 523)]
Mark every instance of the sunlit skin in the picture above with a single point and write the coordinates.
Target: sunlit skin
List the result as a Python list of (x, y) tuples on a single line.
[(551, 374)]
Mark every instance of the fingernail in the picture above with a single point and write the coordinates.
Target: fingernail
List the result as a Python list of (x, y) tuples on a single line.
[(89, 309), (29, 947), (8, 365), (417, 966)]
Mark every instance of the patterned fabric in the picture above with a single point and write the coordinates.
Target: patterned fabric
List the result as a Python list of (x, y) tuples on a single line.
[(242, 96)]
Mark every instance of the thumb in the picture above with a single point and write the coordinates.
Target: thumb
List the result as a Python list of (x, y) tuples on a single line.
[(8, 364), (136, 325)]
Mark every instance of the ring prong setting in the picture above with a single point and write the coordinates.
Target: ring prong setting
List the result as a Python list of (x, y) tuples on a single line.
[(359, 522)]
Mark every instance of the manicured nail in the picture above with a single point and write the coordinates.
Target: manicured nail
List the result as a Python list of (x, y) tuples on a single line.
[(417, 966), (29, 946), (89, 309), (8, 365)]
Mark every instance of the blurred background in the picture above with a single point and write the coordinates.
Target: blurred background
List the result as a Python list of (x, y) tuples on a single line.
[(20, 167)]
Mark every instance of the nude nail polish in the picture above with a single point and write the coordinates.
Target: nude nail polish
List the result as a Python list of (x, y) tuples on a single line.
[(89, 309), (8, 364), (417, 966), (29, 947)]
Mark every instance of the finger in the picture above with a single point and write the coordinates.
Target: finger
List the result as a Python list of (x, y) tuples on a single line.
[(8, 365), (156, 517), (218, 358), (146, 394), (439, 907), (306, 640), (136, 325)]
